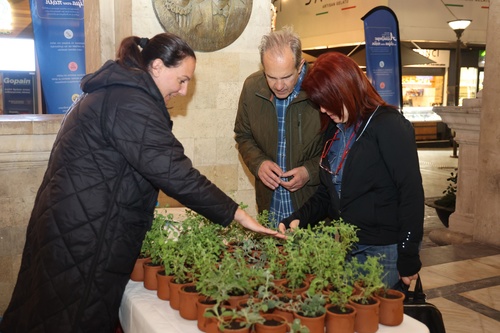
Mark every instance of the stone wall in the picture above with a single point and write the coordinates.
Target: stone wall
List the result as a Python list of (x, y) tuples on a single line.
[(204, 119), (25, 146)]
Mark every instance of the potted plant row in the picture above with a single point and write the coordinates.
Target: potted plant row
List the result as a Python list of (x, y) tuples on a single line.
[(310, 269)]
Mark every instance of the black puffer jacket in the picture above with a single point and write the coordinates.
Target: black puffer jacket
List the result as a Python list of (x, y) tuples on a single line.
[(114, 151)]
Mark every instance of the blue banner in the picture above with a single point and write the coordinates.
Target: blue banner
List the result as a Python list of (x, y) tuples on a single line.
[(383, 54), (58, 28)]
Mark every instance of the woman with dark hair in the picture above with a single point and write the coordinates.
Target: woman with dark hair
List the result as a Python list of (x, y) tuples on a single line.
[(114, 152), (369, 170)]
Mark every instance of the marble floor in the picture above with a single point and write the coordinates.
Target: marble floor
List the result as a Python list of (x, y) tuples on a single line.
[(462, 280)]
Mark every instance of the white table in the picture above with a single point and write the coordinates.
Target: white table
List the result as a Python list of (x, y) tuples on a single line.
[(142, 311)]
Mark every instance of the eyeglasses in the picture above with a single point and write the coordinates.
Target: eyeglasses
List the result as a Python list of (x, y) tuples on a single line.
[(326, 149), (324, 154)]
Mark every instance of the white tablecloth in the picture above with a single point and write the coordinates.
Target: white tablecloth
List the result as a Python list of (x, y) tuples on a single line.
[(142, 311)]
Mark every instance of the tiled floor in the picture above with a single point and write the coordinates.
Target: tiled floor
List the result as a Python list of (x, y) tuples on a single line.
[(462, 280)]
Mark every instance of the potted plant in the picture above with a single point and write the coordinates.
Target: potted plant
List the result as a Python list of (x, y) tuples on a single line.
[(273, 258), (340, 315), (311, 311), (216, 317), (391, 306), (152, 244), (368, 281), (198, 247), (233, 320), (230, 279), (137, 274), (329, 245), (266, 299), (445, 205), (168, 252), (297, 263), (296, 327), (272, 323)]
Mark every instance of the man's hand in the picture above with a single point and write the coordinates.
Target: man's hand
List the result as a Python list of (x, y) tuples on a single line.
[(270, 173), (298, 177)]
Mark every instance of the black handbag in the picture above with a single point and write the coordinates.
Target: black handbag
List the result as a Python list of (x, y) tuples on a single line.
[(416, 306)]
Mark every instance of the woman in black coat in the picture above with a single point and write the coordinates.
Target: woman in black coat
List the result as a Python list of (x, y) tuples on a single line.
[(369, 170), (114, 152)]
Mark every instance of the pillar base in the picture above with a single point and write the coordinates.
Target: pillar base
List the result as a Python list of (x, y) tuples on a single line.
[(447, 237), (462, 223)]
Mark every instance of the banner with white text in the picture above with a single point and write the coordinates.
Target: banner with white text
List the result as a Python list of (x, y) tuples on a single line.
[(383, 54), (58, 27)]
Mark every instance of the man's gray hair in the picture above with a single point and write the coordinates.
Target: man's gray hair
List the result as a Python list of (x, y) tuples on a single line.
[(276, 41)]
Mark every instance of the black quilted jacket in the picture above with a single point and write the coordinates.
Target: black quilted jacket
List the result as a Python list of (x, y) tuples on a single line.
[(114, 151)]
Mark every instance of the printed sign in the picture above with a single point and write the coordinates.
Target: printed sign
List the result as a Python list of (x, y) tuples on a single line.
[(58, 28), (18, 92)]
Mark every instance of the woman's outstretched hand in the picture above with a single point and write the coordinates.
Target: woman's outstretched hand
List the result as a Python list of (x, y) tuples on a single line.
[(250, 223)]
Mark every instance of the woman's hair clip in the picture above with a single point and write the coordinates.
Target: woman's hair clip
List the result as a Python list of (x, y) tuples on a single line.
[(143, 42)]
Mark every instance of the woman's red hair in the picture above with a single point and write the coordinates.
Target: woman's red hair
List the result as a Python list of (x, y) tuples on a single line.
[(335, 80)]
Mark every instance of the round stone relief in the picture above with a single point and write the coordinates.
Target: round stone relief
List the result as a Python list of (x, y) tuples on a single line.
[(207, 25)]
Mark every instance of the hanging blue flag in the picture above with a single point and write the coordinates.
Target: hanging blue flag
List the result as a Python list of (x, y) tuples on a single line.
[(60, 49), (383, 55)]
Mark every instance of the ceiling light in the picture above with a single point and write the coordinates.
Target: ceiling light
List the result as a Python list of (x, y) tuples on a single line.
[(5, 17)]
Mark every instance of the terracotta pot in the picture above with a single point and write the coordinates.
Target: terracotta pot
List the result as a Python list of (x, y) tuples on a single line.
[(188, 297), (212, 323), (202, 304), (233, 326), (273, 324), (366, 316), (287, 314), (235, 299), (150, 270), (315, 324), (340, 322), (296, 291), (310, 277), (242, 303), (279, 282), (391, 307), (163, 288), (138, 271), (174, 293)]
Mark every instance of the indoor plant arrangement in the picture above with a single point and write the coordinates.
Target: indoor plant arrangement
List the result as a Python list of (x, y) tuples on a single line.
[(196, 250)]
